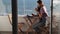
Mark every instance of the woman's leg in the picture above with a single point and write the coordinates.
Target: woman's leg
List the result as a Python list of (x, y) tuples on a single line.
[(43, 21), (37, 29)]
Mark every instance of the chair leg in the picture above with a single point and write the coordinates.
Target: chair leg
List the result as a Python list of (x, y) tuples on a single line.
[(26, 32)]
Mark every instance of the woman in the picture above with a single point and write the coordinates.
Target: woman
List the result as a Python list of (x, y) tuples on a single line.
[(42, 13)]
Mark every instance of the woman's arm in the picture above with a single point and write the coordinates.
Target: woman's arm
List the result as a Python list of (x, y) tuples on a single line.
[(45, 10), (36, 9), (40, 15)]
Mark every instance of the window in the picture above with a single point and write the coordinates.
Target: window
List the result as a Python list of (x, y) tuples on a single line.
[(5, 7), (56, 16), (27, 7)]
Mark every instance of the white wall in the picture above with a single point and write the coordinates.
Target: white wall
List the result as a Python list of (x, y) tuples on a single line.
[(4, 24)]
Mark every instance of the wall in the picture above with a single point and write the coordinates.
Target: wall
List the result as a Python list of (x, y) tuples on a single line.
[(4, 24)]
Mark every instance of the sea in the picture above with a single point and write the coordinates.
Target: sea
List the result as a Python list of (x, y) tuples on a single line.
[(25, 7)]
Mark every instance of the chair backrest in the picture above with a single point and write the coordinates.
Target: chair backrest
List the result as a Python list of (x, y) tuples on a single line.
[(10, 18), (35, 19)]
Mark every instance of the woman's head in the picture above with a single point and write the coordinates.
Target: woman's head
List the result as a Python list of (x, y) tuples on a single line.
[(39, 3)]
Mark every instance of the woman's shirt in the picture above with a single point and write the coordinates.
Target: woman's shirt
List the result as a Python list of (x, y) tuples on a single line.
[(43, 11)]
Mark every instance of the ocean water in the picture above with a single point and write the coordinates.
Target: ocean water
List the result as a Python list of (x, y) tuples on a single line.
[(26, 6)]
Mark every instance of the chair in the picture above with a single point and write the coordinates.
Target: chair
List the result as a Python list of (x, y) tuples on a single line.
[(30, 23), (44, 29), (30, 20), (19, 24)]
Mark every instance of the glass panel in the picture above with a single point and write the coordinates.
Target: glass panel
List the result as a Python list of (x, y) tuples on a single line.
[(27, 7), (30, 4), (56, 16), (20, 7), (5, 10)]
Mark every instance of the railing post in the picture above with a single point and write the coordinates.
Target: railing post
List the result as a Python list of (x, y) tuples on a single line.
[(51, 14), (14, 17)]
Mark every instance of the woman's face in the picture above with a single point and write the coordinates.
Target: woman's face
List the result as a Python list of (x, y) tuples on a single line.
[(39, 4)]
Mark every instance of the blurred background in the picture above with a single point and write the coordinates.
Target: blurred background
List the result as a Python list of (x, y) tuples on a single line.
[(25, 7), (56, 16)]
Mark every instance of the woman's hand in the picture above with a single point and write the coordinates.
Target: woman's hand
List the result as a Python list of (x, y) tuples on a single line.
[(40, 15), (32, 14), (36, 9)]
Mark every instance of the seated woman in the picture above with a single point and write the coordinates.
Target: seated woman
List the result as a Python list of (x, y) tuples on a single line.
[(42, 13)]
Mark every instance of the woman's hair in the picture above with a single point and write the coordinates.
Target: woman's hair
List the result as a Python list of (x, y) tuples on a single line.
[(39, 7), (39, 1)]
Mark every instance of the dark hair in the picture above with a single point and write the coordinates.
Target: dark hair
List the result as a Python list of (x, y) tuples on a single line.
[(39, 1)]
